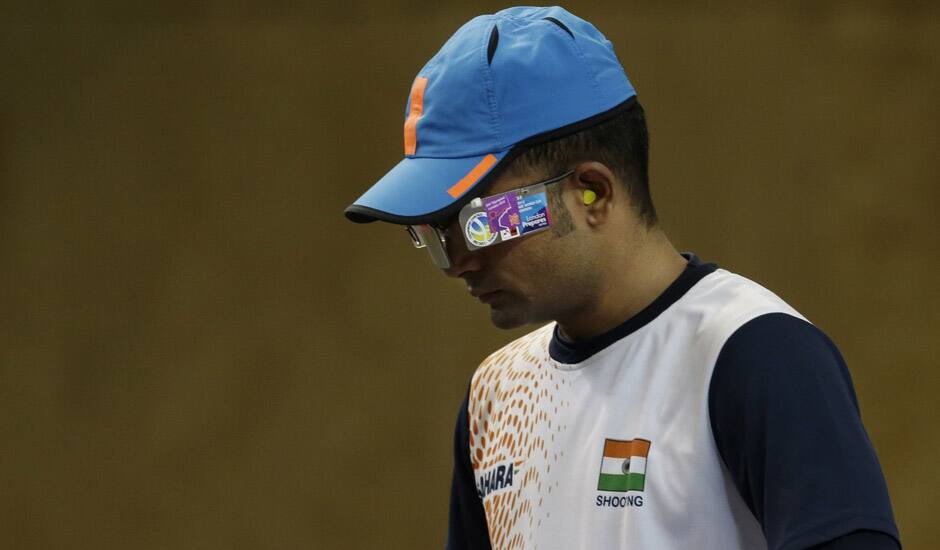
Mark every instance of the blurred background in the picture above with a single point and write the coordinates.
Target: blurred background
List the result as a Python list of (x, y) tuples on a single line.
[(198, 351)]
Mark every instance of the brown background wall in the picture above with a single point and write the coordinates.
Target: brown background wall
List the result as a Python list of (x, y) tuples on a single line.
[(197, 351)]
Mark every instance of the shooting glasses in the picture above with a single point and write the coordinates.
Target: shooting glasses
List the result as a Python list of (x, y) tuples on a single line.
[(486, 221)]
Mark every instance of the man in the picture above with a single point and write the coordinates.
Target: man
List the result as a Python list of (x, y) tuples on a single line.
[(667, 403)]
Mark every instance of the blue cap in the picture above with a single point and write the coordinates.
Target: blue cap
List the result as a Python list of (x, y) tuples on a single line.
[(521, 76)]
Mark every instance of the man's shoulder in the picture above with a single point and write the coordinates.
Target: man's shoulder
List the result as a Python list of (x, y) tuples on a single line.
[(724, 301), (523, 353)]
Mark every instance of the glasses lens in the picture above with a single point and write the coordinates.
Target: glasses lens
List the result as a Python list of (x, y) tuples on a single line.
[(426, 236)]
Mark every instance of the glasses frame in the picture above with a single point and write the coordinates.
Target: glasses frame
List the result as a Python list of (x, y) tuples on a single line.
[(433, 236)]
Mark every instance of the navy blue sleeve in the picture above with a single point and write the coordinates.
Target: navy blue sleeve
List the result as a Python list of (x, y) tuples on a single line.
[(467, 528), (860, 540), (786, 422)]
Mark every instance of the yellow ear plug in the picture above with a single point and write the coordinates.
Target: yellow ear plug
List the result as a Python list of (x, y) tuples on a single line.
[(589, 197)]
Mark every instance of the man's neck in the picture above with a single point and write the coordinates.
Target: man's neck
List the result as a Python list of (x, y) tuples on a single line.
[(633, 278)]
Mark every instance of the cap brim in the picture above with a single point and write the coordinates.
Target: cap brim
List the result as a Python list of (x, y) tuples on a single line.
[(421, 190)]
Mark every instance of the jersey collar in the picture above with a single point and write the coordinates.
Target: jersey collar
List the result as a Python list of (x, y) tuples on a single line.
[(564, 351)]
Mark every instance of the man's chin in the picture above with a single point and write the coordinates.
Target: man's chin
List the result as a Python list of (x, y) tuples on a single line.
[(504, 319)]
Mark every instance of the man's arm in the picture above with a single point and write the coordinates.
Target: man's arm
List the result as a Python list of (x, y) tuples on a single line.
[(467, 529), (786, 423), (860, 540)]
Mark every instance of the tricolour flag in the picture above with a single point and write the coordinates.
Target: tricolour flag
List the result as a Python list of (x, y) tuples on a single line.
[(623, 467)]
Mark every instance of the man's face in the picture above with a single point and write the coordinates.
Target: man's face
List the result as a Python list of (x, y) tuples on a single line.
[(531, 279)]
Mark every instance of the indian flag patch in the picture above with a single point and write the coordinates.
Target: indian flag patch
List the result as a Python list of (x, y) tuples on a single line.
[(623, 467)]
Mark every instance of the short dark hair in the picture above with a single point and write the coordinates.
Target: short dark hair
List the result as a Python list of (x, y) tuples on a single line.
[(621, 143)]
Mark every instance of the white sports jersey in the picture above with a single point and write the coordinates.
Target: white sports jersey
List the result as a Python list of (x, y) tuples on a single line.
[(548, 423), (626, 441)]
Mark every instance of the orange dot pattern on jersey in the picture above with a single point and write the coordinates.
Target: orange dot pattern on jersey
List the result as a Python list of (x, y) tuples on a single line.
[(512, 410)]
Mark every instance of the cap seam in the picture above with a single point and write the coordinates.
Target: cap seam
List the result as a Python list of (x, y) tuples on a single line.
[(495, 126), (462, 156), (578, 52)]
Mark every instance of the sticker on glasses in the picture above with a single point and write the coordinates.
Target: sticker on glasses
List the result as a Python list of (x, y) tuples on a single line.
[(534, 211), (506, 216), (477, 230), (503, 213)]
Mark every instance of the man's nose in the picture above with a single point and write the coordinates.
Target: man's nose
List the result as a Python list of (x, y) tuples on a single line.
[(462, 261)]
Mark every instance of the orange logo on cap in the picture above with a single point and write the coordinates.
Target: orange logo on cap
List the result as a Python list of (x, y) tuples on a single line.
[(414, 113)]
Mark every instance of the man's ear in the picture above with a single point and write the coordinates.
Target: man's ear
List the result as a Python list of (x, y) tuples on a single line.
[(595, 185)]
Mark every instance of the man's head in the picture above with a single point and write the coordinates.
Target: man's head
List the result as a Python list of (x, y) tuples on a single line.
[(600, 208), (512, 99)]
